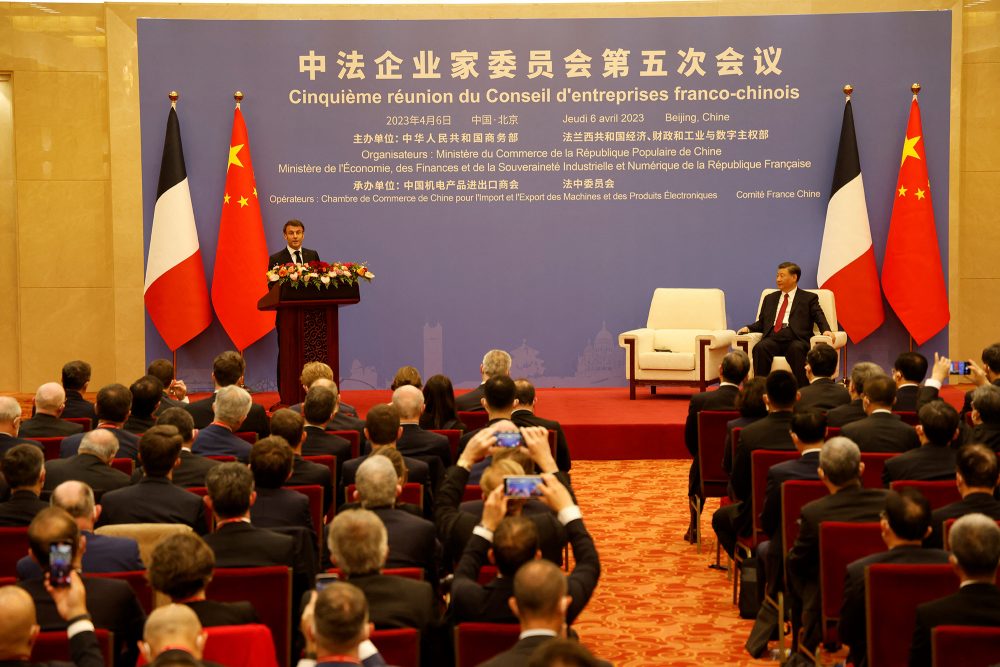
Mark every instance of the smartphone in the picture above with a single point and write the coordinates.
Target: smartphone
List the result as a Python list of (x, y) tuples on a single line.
[(508, 439), (960, 368), (60, 564), (522, 486), (324, 580)]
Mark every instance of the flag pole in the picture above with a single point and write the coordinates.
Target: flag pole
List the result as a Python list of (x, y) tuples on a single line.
[(238, 96), (173, 96), (915, 89)]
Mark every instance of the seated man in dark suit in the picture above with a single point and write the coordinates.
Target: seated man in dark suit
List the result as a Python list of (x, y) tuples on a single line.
[(881, 431), (524, 415), (317, 410), (855, 410), (383, 430), (10, 422), (908, 373), (771, 432), (336, 625), (786, 319), (985, 417), (840, 470), (155, 499), (288, 426), (346, 416), (174, 390), (75, 380), (276, 507), (540, 602), (431, 448), (192, 469), (975, 556), (976, 477), (823, 391), (934, 458), (988, 373), (227, 371), (499, 400), (231, 406), (905, 523), (50, 401), (180, 568), (103, 553), (495, 362), (112, 604), (114, 403), (23, 468), (146, 394), (91, 464)]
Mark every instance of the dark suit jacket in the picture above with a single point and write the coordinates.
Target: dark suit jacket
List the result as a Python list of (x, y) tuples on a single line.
[(104, 553), (20, 509), (822, 394), (8, 441), (804, 467), (192, 470), (984, 434), (417, 470), (285, 257), (723, 398), (212, 612), (469, 401), (256, 421), (412, 541), (853, 626), (78, 406), (974, 604), (85, 468), (928, 462), (319, 442), (215, 440), (983, 503), (911, 397), (397, 602), (128, 444), (529, 418), (305, 473), (771, 432), (521, 653), (47, 426), (153, 500), (244, 545), (805, 312), (138, 425), (415, 441), (882, 432), (277, 508), (846, 414)]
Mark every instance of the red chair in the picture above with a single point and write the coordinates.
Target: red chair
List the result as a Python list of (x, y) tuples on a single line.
[(892, 594), (398, 647), (454, 436), (126, 465), (840, 544), (946, 531), (416, 573), (269, 590), (473, 420), (354, 438), (248, 436), (413, 493), (51, 447), (487, 573), (970, 645), (476, 643), (832, 432), (137, 580), (794, 495), (54, 646), (209, 514), (908, 417), (314, 493), (222, 458), (13, 547), (472, 492), (761, 461), (711, 452), (330, 461), (245, 645), (874, 462), (938, 494), (82, 421)]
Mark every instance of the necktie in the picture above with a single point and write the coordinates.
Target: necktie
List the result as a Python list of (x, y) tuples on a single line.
[(778, 323), (298, 260)]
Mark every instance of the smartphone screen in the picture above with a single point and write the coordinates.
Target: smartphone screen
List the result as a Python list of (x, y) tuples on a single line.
[(324, 580), (522, 486), (508, 439), (60, 564), (960, 368)]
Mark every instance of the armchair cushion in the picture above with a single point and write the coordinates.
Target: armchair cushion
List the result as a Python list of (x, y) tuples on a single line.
[(666, 361)]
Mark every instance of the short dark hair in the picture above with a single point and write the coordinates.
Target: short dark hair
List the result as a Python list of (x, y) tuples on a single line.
[(163, 370), (781, 389), (881, 390), (228, 367), (289, 425), (978, 466), (52, 525), (809, 425), (406, 375), (382, 422), (159, 448), (229, 486), (822, 359), (939, 421), (180, 419), (750, 400), (340, 614), (912, 366), (986, 401), (792, 268), (499, 392), (515, 542), (146, 394), (319, 404), (524, 391), (293, 223), (75, 374), (271, 462), (991, 357), (113, 403), (908, 513), (181, 566), (735, 366), (22, 465)]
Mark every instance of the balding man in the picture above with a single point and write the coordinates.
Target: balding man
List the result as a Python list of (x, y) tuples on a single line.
[(173, 635), (495, 362), (227, 371), (91, 464), (10, 423), (50, 401), (114, 404), (414, 440), (232, 405)]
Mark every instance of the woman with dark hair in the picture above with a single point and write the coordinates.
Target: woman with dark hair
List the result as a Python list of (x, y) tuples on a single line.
[(751, 405), (439, 405), (406, 375)]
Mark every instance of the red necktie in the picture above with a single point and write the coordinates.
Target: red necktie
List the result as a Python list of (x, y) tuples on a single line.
[(781, 315)]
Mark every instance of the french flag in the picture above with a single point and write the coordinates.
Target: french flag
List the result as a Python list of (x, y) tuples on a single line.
[(847, 257), (175, 292)]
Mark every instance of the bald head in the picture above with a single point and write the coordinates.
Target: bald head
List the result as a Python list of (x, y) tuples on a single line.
[(539, 589), (409, 402), (175, 626), (100, 442), (50, 399), (77, 498), (10, 415), (17, 623)]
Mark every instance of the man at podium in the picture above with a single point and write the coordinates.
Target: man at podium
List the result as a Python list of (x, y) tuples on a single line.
[(294, 232)]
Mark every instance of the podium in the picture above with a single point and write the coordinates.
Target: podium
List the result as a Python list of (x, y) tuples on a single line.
[(308, 330)]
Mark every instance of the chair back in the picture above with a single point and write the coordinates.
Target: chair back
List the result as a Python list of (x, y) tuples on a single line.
[(892, 593), (53, 646), (682, 308), (137, 580), (761, 461), (247, 436), (413, 493), (148, 535), (248, 645), (472, 492), (794, 494), (13, 547), (209, 514), (487, 573), (832, 432), (473, 419), (82, 421), (399, 647), (946, 532), (50, 446), (221, 458), (938, 494), (314, 493), (269, 590), (827, 302), (971, 646), (908, 417), (454, 436), (475, 643), (352, 437), (416, 573), (840, 544), (125, 465), (711, 451), (874, 462)]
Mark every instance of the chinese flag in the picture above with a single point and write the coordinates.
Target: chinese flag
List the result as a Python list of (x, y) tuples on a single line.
[(241, 255), (912, 275)]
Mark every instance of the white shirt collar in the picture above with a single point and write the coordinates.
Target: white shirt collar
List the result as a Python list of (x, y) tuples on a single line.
[(291, 252), (540, 632)]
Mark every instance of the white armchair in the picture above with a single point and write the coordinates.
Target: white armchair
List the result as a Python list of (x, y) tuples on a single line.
[(829, 305), (683, 342)]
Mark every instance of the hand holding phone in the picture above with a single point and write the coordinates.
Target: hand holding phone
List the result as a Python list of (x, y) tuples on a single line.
[(960, 368), (508, 439), (60, 564)]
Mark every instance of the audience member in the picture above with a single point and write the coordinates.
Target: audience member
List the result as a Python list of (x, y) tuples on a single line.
[(23, 468), (431, 448), (192, 468), (104, 553), (91, 464), (985, 417), (335, 624), (317, 372), (976, 477), (154, 499), (440, 412), (50, 401), (10, 422), (75, 380), (823, 391), (935, 458), (406, 375), (560, 652), (905, 523), (975, 554), (276, 507), (495, 363), (751, 406), (382, 429), (855, 410), (174, 389), (908, 372), (227, 371), (988, 373), (172, 637), (500, 401), (524, 415), (181, 568), (318, 410), (147, 393), (114, 403), (288, 426), (881, 431), (231, 407)]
